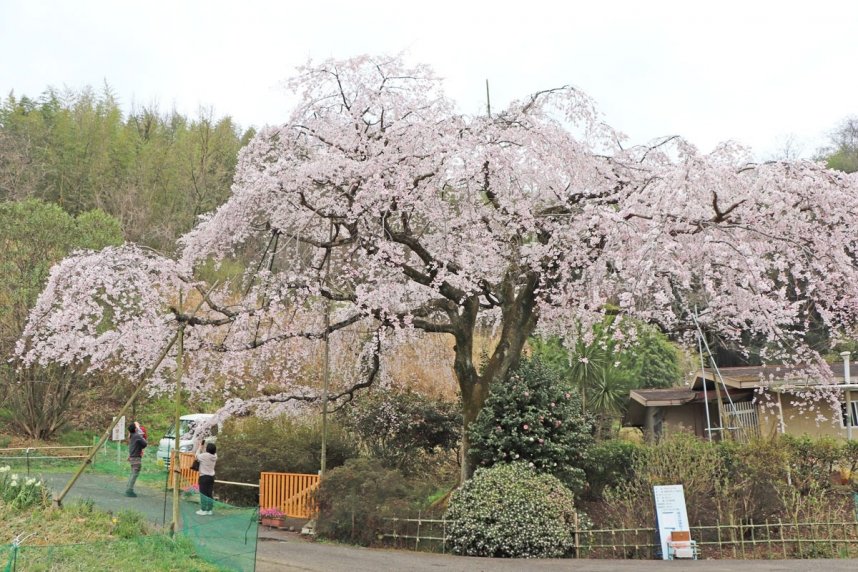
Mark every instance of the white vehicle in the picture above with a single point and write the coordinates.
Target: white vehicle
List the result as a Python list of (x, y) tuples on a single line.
[(187, 424)]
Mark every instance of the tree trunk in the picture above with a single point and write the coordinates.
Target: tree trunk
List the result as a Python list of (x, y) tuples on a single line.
[(472, 402), (519, 320)]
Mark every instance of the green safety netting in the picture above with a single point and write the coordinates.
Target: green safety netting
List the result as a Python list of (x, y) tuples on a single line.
[(226, 539)]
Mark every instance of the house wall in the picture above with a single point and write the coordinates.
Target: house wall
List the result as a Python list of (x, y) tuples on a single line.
[(798, 422), (685, 418)]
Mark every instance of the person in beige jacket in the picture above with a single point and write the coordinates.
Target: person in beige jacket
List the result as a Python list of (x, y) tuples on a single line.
[(207, 460)]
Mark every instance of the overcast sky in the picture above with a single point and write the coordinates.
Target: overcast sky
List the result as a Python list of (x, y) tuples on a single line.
[(752, 71)]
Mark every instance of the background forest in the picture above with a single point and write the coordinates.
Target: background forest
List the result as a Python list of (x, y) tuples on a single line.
[(76, 171)]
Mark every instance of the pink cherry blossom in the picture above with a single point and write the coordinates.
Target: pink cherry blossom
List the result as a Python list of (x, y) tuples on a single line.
[(379, 205)]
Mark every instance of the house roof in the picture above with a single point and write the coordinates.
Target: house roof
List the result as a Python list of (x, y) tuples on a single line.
[(660, 397), (750, 377), (672, 397), (741, 382), (682, 395)]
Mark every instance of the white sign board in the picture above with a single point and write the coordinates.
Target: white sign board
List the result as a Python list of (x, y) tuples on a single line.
[(118, 430), (670, 512)]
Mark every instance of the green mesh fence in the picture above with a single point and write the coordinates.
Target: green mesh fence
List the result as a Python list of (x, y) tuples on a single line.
[(226, 539), (7, 558)]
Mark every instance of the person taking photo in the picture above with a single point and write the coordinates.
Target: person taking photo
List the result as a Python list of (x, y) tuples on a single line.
[(207, 460), (136, 444)]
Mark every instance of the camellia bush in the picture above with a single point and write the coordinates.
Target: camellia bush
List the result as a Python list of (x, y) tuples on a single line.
[(535, 419), (512, 511)]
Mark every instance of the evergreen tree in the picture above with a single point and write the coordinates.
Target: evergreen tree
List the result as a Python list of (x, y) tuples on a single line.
[(537, 419)]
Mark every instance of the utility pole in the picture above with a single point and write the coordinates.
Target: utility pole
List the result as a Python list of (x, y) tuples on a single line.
[(488, 100), (848, 391), (705, 391), (175, 465), (327, 374)]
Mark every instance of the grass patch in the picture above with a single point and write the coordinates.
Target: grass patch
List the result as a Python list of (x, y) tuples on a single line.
[(82, 537), (157, 553), (105, 462), (77, 437)]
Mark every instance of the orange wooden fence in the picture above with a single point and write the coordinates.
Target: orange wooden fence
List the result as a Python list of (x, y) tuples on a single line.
[(187, 476), (292, 493)]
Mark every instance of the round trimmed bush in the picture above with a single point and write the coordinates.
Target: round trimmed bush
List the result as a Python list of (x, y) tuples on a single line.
[(511, 511)]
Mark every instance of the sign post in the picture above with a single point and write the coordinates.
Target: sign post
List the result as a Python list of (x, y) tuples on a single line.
[(118, 435), (670, 511)]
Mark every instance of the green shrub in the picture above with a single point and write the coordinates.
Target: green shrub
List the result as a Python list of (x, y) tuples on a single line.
[(400, 427), (355, 499), (250, 446), (677, 459), (850, 463), (752, 478), (767, 479), (532, 418), (512, 511), (610, 463), (811, 461)]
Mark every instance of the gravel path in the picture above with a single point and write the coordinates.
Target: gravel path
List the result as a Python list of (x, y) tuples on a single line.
[(108, 493)]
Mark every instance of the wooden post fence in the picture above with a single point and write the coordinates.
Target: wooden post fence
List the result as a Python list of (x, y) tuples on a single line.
[(187, 477), (291, 493)]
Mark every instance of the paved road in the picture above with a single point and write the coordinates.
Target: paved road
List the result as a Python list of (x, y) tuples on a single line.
[(108, 493), (280, 551), (285, 552)]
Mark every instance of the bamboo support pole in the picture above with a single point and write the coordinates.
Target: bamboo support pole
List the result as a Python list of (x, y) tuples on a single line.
[(742, 539), (323, 465), (417, 540), (783, 540), (798, 536), (718, 531), (769, 535), (575, 535)]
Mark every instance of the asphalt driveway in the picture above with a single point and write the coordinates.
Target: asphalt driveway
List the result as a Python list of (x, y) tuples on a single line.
[(288, 552)]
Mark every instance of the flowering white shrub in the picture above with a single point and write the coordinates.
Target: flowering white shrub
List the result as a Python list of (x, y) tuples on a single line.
[(19, 491), (512, 511)]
